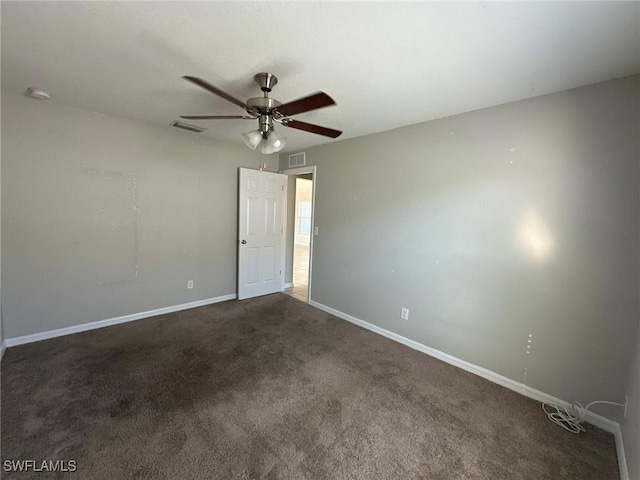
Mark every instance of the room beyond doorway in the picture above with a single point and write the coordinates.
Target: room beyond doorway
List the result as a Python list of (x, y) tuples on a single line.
[(300, 232), (300, 288), (301, 237)]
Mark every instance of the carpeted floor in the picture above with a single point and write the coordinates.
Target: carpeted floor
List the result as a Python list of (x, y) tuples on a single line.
[(272, 388)]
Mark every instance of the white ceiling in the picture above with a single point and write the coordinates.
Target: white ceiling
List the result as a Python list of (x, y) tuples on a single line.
[(386, 64)]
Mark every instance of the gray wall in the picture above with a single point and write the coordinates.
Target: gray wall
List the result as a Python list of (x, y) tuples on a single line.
[(2, 345), (495, 227), (103, 217), (631, 423)]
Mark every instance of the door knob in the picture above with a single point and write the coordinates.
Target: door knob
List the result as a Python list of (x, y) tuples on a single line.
[(243, 242)]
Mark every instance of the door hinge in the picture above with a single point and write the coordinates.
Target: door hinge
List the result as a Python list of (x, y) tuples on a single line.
[(280, 272), (282, 187)]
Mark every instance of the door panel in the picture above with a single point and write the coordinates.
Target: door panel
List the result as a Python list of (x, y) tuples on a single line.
[(260, 233), (252, 266), (269, 264), (271, 215), (253, 216)]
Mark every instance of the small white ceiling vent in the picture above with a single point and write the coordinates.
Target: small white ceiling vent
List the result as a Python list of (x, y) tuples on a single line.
[(297, 160), (187, 126)]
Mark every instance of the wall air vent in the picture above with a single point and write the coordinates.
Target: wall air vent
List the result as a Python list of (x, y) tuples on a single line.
[(187, 126), (297, 160)]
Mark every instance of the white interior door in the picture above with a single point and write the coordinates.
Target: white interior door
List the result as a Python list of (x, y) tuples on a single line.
[(260, 233)]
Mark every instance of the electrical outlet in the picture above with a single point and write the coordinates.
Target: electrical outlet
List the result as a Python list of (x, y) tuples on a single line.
[(189, 284), (404, 314)]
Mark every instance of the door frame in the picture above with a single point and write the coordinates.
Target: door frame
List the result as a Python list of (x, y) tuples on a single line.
[(301, 171)]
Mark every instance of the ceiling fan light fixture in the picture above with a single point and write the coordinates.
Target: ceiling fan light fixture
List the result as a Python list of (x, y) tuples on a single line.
[(266, 146), (278, 141), (271, 143), (252, 139)]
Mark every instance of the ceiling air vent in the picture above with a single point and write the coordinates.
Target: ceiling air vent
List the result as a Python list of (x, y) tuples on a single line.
[(297, 160), (188, 127)]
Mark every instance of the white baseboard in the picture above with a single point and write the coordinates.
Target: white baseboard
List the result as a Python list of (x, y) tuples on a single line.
[(592, 418), (622, 458), (36, 337), (3, 347), (288, 285)]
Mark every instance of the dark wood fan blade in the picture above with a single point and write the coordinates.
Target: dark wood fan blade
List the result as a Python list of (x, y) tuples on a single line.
[(306, 104), (215, 90), (310, 127), (216, 117)]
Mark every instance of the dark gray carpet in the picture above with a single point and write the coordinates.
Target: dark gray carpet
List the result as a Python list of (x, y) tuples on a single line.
[(272, 388)]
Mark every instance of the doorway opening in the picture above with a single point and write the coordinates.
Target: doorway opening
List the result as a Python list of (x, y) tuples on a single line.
[(300, 229)]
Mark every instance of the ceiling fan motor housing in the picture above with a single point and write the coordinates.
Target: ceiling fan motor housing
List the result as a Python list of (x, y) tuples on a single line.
[(263, 107)]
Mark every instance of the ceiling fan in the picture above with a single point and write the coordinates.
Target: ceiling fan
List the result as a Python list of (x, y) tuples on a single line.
[(269, 111)]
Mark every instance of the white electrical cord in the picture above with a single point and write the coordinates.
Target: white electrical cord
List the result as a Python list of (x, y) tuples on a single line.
[(571, 418)]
